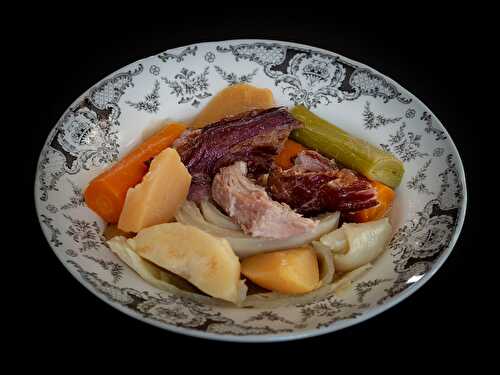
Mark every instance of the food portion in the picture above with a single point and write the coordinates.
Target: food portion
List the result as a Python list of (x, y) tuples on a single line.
[(249, 205), (249, 192), (288, 153), (245, 245), (355, 153), (234, 100), (156, 276), (293, 271), (354, 244), (157, 197), (106, 193), (206, 261), (314, 185), (384, 196), (254, 137)]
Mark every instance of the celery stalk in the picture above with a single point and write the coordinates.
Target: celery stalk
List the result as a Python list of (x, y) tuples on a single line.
[(354, 153)]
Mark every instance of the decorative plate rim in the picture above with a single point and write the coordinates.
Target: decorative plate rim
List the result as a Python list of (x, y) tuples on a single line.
[(294, 335)]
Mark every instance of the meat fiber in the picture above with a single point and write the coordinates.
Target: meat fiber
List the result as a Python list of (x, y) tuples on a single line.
[(250, 206), (254, 137), (315, 184)]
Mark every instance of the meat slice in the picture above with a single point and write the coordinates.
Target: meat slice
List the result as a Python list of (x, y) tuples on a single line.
[(312, 161), (183, 143), (315, 184), (250, 206), (254, 137)]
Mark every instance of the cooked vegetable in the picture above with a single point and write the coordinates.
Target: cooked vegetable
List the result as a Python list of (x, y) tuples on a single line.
[(246, 246), (326, 265), (384, 195), (112, 231), (353, 152), (156, 199), (151, 273), (206, 261), (214, 216), (365, 242), (291, 271), (106, 193), (290, 150), (336, 241), (190, 214), (232, 101), (274, 299)]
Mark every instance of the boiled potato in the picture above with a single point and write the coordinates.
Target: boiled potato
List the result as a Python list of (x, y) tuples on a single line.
[(233, 100), (291, 271), (206, 261), (156, 199)]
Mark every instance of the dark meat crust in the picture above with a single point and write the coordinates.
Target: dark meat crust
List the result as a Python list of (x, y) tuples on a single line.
[(254, 137), (314, 185)]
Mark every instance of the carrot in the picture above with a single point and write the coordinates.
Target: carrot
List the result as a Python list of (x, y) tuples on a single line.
[(106, 193), (385, 196), (290, 150)]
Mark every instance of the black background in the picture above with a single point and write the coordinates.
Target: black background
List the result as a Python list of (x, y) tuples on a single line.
[(424, 52)]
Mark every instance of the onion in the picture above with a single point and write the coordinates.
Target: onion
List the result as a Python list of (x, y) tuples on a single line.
[(336, 241), (214, 216), (190, 214), (325, 257), (366, 241), (246, 246)]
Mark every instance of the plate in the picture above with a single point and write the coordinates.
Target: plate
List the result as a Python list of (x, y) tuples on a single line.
[(115, 115)]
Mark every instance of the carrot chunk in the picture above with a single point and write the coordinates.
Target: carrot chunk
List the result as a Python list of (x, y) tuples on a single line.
[(385, 196), (290, 150)]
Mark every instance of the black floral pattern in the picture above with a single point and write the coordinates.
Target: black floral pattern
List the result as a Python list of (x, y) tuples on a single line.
[(76, 200), (189, 87), (417, 181), (374, 121), (209, 57), (233, 78), (404, 144), (154, 70), (54, 232), (430, 128), (410, 113), (151, 102), (115, 269), (165, 56), (364, 287), (310, 77), (86, 235)]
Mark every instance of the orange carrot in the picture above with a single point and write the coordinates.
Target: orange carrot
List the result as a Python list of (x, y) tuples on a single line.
[(385, 196), (290, 150), (106, 193)]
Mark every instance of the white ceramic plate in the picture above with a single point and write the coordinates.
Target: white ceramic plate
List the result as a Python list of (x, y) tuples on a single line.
[(112, 117)]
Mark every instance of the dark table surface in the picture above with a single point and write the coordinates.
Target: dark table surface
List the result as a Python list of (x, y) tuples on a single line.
[(424, 59)]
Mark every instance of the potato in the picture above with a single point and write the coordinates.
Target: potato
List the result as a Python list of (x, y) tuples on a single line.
[(206, 261), (156, 199), (233, 100), (291, 271)]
